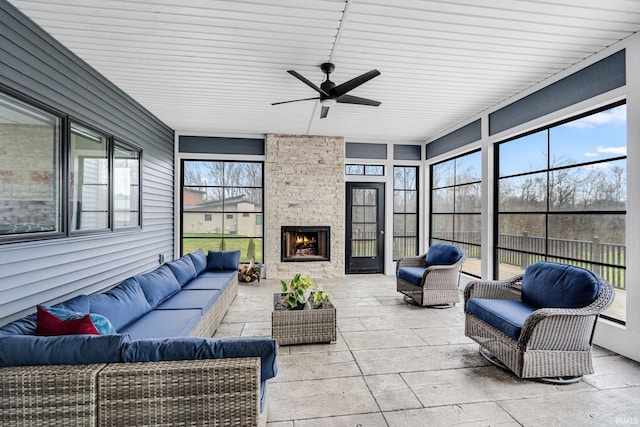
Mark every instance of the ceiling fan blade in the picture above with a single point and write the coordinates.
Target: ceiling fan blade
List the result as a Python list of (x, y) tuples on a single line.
[(324, 112), (345, 87), (350, 99), (295, 100), (306, 81)]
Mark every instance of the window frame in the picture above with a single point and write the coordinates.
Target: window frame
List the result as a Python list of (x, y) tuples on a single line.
[(405, 214)]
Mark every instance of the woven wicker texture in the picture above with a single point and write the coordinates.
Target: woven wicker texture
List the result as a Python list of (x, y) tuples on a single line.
[(60, 395), (214, 392), (439, 284), (554, 342), (303, 326)]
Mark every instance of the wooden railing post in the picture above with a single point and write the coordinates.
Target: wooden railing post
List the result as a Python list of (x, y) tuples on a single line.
[(524, 258), (596, 255)]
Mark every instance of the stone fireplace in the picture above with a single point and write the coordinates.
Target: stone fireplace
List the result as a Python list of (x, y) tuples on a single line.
[(305, 244), (304, 190)]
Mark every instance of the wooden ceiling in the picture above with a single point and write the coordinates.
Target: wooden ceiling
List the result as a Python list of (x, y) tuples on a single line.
[(214, 67)]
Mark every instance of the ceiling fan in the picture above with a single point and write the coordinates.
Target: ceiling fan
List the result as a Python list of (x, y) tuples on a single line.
[(330, 94)]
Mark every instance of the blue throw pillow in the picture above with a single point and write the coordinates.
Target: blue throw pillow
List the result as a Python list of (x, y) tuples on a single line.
[(27, 350), (223, 260), (552, 285), (121, 305), (158, 285), (199, 260), (441, 254), (183, 269)]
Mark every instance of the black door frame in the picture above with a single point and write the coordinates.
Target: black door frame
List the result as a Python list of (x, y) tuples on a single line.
[(365, 267)]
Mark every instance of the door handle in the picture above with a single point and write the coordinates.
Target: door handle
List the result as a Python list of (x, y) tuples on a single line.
[(381, 231)]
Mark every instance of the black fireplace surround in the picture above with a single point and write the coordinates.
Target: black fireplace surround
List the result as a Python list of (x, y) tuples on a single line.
[(305, 243)]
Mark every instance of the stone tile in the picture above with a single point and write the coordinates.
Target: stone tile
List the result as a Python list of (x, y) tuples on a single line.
[(410, 359), (355, 302), (589, 408), (368, 420), (349, 324), (476, 414), (339, 345), (309, 366), (443, 335), (459, 386), (365, 340), (248, 316), (281, 424), (391, 392), (391, 300), (614, 372), (403, 320), (319, 399), (229, 330)]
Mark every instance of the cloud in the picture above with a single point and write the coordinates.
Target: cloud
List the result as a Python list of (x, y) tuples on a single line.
[(597, 166), (591, 154), (616, 115), (621, 151)]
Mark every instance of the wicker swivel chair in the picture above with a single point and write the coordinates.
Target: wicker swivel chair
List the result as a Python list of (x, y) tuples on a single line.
[(431, 280), (539, 324)]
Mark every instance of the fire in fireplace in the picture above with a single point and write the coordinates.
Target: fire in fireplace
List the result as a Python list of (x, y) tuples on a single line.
[(305, 244)]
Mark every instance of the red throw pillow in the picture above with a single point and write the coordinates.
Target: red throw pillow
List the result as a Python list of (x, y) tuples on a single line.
[(49, 324)]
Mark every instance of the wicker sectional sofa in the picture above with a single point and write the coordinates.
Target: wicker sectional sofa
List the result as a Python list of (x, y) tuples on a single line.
[(159, 367)]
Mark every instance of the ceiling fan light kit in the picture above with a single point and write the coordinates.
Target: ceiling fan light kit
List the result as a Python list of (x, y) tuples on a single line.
[(330, 94)]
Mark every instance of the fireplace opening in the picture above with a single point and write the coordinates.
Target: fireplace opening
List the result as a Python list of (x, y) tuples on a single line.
[(305, 244)]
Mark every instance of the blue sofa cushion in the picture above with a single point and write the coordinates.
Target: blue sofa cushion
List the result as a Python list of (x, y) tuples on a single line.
[(164, 324), (122, 304), (507, 316), (553, 285), (158, 285), (441, 254), (199, 259), (208, 282), (61, 350), (191, 348), (28, 325), (412, 275), (223, 260), (183, 269), (188, 299)]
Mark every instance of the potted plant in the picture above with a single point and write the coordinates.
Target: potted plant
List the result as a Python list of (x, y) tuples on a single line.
[(302, 313), (302, 292)]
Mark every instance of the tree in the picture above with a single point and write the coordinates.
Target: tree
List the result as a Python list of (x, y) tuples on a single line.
[(251, 249)]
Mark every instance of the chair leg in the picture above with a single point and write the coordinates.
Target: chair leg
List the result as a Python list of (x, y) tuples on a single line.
[(411, 301)]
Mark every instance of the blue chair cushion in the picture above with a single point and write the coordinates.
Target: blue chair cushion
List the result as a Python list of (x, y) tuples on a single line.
[(158, 285), (223, 260), (29, 350), (164, 324), (507, 316), (199, 259), (192, 348), (553, 285), (121, 305), (412, 275), (208, 282), (183, 269), (226, 274), (442, 254), (188, 299)]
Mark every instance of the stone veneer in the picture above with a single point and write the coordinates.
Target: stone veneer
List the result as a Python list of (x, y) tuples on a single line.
[(304, 186)]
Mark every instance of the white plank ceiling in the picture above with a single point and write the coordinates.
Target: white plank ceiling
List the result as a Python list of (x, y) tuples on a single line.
[(215, 66)]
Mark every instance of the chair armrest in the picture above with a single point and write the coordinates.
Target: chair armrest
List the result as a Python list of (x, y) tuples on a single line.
[(494, 289), (411, 261)]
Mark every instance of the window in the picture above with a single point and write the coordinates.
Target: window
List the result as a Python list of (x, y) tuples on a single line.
[(231, 194), (30, 171), (405, 211), (562, 195), (371, 170), (126, 186), (456, 206), (207, 217)]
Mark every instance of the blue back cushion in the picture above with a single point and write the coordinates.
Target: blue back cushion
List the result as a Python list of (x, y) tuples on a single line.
[(61, 350), (223, 260), (122, 304), (441, 254), (192, 348), (552, 285), (183, 269), (199, 260), (158, 285)]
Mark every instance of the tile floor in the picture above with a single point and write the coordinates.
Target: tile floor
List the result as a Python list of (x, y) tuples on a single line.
[(399, 365)]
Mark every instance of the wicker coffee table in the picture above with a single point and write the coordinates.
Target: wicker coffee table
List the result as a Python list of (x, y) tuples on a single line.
[(309, 326)]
